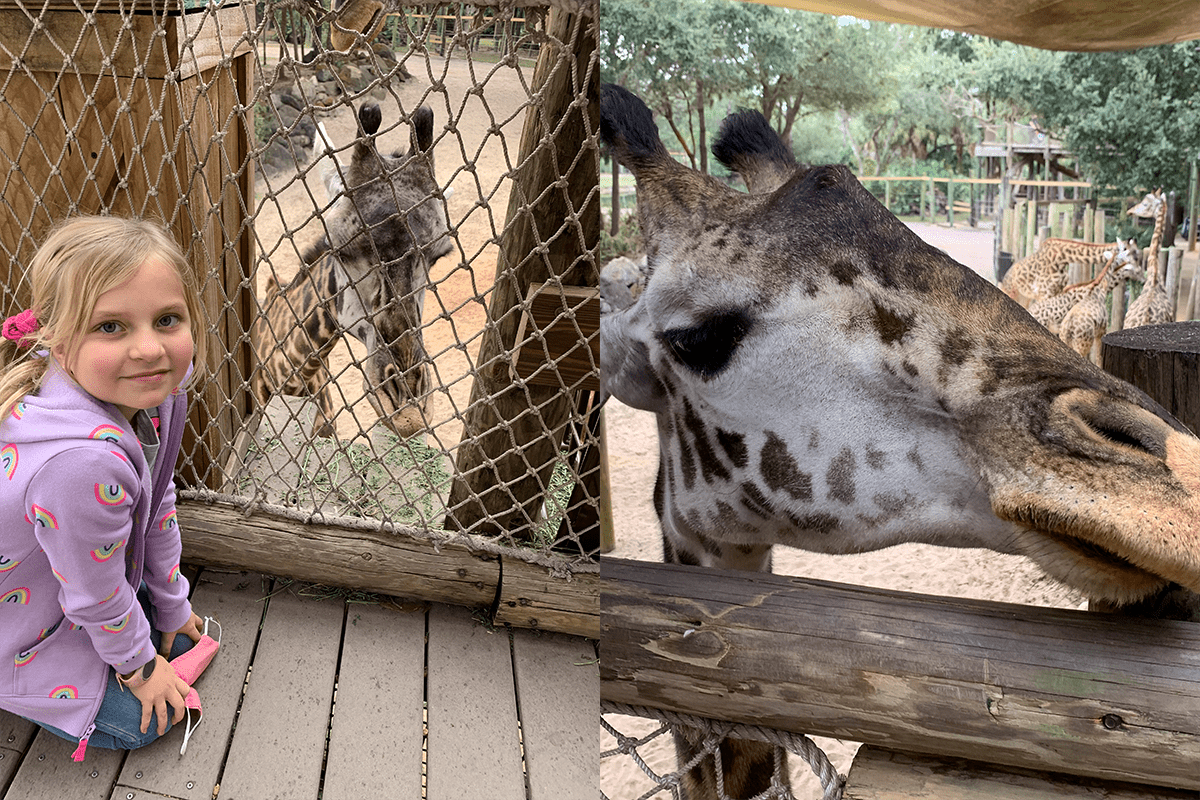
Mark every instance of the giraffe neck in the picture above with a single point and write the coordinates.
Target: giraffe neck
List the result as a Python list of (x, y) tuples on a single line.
[(1160, 220), (1082, 252)]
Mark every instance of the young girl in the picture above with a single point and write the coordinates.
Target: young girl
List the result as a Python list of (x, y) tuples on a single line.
[(91, 417)]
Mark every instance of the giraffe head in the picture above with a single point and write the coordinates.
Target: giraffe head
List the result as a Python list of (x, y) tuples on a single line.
[(1149, 206), (824, 379), (386, 229)]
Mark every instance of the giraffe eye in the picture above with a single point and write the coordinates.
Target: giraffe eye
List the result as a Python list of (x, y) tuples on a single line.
[(706, 348)]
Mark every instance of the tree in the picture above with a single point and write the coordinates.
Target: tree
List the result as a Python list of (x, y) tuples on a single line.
[(671, 54), (797, 63), (1132, 119), (931, 113)]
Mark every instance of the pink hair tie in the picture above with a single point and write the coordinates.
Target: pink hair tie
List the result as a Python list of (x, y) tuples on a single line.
[(19, 327)]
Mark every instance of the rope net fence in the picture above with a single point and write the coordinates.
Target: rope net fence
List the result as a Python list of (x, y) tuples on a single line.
[(638, 757), (389, 207)]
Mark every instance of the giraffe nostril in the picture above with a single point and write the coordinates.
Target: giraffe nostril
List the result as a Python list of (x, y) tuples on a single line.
[(1125, 429)]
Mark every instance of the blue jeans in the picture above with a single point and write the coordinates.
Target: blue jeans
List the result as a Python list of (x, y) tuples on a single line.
[(119, 721)]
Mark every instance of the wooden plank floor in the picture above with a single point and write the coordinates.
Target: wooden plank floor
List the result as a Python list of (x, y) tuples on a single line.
[(323, 697)]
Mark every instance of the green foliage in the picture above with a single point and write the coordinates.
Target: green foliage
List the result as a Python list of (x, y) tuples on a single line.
[(628, 241), (1131, 118)]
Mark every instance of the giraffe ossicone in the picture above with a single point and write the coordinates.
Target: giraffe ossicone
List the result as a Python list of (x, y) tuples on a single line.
[(824, 379)]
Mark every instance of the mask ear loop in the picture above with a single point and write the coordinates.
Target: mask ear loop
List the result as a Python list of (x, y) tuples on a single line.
[(189, 726)]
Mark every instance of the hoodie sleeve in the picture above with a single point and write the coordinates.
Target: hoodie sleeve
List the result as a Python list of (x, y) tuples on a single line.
[(168, 587), (81, 505)]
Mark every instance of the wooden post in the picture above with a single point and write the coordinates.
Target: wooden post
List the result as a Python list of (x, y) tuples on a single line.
[(512, 433), (1174, 259), (887, 195), (141, 146), (1031, 228), (1189, 310), (1164, 362)]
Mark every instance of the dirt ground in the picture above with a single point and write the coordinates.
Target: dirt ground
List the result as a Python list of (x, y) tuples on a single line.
[(476, 141), (970, 573)]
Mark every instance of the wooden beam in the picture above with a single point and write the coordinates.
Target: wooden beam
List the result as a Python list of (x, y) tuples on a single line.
[(887, 775), (391, 563), (1035, 688), (531, 597), (373, 561)]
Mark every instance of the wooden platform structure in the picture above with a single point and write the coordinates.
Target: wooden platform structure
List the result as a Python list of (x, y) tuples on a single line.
[(316, 695)]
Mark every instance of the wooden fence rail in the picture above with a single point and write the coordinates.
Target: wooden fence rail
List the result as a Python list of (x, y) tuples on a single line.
[(1049, 689)]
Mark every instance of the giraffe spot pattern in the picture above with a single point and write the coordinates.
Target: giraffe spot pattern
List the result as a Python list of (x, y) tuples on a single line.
[(734, 445), (840, 477), (780, 471), (890, 325), (711, 466)]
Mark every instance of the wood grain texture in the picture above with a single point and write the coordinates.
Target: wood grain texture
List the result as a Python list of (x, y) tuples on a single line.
[(558, 690), (16, 734), (279, 744), (236, 601), (1085, 694), (512, 433), (380, 698), (530, 597), (558, 341), (473, 745), (48, 773), (879, 774), (393, 564), (1161, 360)]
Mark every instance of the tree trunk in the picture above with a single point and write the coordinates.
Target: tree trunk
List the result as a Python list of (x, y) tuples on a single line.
[(512, 434)]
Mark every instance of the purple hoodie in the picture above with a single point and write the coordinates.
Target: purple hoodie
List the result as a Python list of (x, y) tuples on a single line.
[(83, 521)]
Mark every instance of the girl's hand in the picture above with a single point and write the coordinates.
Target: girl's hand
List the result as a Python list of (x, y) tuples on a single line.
[(163, 688), (192, 629)]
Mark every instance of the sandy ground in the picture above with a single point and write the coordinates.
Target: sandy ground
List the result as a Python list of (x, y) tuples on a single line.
[(633, 460), (476, 141)]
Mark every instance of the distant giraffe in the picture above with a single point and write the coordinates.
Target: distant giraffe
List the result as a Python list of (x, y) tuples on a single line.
[(1152, 306), (1044, 274), (1085, 324), (1051, 311), (823, 379), (367, 278)]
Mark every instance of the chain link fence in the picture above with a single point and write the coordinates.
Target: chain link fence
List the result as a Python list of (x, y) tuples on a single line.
[(393, 210)]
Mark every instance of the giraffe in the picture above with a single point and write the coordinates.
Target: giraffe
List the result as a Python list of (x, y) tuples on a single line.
[(367, 278), (1152, 306), (822, 378), (1050, 311), (1044, 274), (1085, 324)]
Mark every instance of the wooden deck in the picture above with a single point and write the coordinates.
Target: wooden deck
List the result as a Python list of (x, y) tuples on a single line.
[(323, 697)]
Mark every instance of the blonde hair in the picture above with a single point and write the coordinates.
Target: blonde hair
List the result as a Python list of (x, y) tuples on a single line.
[(81, 259)]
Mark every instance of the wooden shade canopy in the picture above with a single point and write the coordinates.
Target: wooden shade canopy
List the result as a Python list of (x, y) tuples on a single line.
[(1049, 24)]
